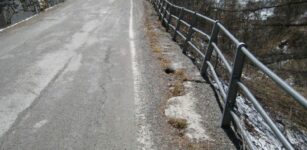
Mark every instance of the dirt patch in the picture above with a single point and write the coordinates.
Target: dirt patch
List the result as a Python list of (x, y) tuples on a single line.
[(178, 123)]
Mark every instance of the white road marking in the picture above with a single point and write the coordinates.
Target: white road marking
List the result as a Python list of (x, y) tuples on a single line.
[(18, 23), (143, 133)]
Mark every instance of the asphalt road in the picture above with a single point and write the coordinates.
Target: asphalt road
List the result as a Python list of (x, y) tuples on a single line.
[(68, 78)]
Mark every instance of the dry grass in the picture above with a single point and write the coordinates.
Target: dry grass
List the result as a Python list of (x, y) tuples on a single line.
[(164, 63), (178, 123), (155, 45), (178, 76), (177, 89), (278, 103), (181, 75)]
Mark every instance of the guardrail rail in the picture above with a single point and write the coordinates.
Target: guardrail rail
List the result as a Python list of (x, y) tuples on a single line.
[(165, 11)]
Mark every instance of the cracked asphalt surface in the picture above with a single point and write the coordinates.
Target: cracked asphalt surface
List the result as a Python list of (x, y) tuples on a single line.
[(66, 79)]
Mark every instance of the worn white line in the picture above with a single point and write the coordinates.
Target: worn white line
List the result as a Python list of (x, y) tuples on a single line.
[(18, 23), (13, 25), (47, 9), (143, 132)]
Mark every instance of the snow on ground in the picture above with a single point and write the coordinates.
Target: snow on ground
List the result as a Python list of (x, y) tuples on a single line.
[(40, 124), (264, 14), (184, 107), (262, 136)]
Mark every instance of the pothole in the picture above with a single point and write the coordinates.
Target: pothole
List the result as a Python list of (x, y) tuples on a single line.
[(169, 70)]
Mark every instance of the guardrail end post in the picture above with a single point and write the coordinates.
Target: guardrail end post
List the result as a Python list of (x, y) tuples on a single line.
[(213, 38), (233, 86)]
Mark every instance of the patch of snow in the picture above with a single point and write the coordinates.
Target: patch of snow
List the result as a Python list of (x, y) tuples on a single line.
[(40, 124), (282, 48), (290, 80), (262, 136), (176, 65), (286, 49), (266, 13), (184, 107), (282, 63), (246, 77), (298, 138), (301, 18)]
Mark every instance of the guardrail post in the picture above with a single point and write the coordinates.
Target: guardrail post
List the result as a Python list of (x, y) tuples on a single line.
[(233, 86), (190, 33), (155, 3), (161, 9), (169, 17), (178, 23), (164, 14), (213, 39), (158, 6)]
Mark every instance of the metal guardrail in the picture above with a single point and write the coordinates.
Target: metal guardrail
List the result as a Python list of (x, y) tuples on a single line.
[(165, 10)]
